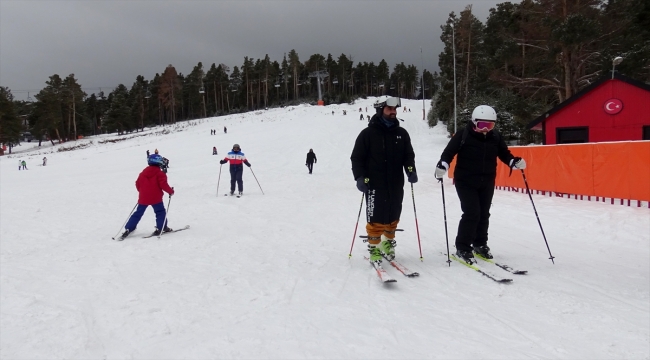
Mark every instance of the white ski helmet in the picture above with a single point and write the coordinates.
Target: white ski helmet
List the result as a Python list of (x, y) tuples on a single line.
[(388, 101), (485, 113)]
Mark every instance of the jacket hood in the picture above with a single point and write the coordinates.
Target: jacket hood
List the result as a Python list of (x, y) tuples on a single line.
[(151, 171)]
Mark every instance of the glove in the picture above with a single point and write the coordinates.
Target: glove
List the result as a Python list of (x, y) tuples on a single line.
[(222, 162), (248, 164), (518, 163), (441, 169), (172, 193), (362, 184), (412, 175)]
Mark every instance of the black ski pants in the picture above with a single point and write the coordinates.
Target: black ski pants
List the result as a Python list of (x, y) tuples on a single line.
[(310, 166), (475, 201)]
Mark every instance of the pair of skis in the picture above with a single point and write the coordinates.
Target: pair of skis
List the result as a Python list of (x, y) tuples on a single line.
[(490, 276), (120, 238), (238, 195), (383, 274)]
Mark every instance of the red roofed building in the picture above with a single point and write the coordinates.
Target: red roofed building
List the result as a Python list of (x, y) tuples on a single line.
[(615, 109)]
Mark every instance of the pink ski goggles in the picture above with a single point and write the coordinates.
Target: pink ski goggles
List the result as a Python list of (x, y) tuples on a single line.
[(485, 125)]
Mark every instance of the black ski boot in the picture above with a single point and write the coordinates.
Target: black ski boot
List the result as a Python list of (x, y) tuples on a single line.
[(483, 251), (124, 235), (466, 256), (165, 230)]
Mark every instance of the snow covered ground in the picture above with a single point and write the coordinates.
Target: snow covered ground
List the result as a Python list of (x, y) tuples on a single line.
[(268, 276)]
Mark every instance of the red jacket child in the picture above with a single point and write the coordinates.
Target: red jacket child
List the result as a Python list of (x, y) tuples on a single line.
[(150, 184)]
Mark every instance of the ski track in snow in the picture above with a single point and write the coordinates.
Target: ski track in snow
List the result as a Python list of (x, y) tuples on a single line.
[(268, 276)]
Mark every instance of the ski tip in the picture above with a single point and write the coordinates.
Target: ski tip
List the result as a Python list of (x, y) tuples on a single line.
[(521, 272), (504, 281)]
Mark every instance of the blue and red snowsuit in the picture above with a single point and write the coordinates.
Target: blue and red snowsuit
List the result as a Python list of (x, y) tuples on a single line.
[(236, 159), (150, 184)]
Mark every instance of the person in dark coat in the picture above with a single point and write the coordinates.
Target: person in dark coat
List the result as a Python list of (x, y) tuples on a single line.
[(382, 152), (311, 159), (477, 148), (150, 184), (236, 158), (214, 150)]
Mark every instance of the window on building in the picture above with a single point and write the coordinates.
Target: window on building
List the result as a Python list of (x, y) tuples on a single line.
[(575, 135), (646, 132)]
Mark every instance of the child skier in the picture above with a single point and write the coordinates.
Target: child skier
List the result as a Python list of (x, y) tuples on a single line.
[(236, 158), (151, 183)]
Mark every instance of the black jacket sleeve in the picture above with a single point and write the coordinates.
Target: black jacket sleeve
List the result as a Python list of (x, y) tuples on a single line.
[(409, 154), (452, 147), (359, 155), (504, 153)]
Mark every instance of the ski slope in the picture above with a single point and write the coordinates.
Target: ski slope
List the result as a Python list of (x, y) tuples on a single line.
[(268, 276)]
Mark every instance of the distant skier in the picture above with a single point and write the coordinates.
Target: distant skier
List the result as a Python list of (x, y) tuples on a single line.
[(477, 147), (24, 163), (361, 117), (236, 158), (381, 155), (44, 161), (151, 183), (147, 154), (214, 150), (225, 130), (20, 164), (311, 159), (332, 112)]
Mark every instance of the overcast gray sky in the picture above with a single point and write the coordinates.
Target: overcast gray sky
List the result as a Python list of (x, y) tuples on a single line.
[(106, 43)]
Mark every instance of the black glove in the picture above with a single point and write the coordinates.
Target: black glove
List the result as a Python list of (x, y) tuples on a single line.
[(412, 175), (362, 184), (222, 162), (248, 164)]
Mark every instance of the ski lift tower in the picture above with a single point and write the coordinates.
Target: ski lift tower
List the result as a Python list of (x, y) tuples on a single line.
[(319, 75)]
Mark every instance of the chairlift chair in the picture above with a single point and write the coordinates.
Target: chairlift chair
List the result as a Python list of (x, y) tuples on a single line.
[(335, 81), (201, 90)]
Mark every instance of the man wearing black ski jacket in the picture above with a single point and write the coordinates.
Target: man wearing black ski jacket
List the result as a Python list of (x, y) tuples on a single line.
[(311, 159), (381, 155)]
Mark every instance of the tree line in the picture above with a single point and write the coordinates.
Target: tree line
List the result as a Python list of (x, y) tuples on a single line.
[(62, 111), (530, 56)]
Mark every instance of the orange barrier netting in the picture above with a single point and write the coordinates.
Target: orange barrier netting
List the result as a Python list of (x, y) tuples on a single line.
[(618, 170)]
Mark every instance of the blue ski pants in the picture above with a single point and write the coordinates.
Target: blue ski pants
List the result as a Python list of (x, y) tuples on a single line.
[(236, 172), (159, 209)]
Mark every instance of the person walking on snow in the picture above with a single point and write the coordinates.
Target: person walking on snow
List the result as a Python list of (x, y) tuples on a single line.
[(381, 153), (150, 184), (311, 159), (236, 158), (44, 161), (20, 164), (225, 130), (24, 163), (214, 150), (477, 146)]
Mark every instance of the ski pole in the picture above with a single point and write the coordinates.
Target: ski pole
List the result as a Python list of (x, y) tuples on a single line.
[(127, 219), (444, 211), (417, 229), (537, 216), (357, 225), (166, 213), (218, 180), (258, 183)]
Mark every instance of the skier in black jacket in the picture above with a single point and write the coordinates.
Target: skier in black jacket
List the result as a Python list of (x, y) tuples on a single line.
[(311, 159), (477, 146), (381, 152)]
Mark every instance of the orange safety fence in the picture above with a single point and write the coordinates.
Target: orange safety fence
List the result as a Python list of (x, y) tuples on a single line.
[(618, 170)]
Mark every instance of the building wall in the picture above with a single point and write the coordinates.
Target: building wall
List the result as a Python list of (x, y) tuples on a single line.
[(589, 111)]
